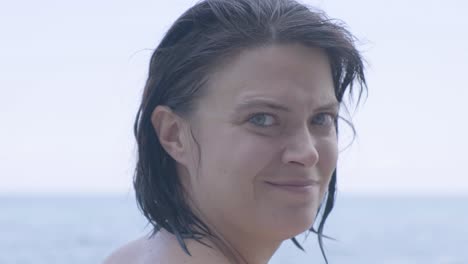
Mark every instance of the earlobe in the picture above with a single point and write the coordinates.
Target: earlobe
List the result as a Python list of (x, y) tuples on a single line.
[(168, 129)]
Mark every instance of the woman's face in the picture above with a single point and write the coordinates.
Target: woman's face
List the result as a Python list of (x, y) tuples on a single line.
[(267, 141)]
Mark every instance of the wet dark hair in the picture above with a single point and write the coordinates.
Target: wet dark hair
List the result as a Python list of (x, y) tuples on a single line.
[(205, 36)]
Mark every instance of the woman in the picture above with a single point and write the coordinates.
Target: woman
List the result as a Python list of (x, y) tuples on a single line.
[(237, 131)]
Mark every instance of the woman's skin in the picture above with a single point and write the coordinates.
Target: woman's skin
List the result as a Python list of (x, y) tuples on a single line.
[(268, 147)]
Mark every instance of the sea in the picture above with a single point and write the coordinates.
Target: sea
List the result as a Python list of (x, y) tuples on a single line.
[(374, 229)]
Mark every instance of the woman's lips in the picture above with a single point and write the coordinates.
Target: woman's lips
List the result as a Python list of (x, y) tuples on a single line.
[(298, 186)]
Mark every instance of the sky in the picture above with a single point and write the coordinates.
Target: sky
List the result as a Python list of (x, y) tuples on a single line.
[(72, 74)]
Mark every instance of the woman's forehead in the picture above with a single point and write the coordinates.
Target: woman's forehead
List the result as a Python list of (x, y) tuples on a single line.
[(274, 59), (282, 72)]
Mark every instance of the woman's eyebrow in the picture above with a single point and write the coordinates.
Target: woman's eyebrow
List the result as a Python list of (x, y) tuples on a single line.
[(252, 103), (335, 105), (277, 106)]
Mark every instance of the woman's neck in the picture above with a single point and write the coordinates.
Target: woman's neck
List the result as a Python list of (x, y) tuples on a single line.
[(219, 249)]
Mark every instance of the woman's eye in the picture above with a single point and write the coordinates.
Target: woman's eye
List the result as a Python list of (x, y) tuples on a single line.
[(262, 120), (323, 119)]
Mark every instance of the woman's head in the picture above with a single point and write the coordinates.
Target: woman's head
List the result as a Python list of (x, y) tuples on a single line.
[(237, 129)]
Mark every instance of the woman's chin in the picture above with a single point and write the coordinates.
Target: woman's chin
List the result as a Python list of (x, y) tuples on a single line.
[(289, 228)]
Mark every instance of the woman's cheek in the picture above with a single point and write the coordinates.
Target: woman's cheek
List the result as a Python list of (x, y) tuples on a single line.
[(328, 155)]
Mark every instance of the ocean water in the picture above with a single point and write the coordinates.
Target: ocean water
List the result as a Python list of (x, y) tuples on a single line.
[(368, 229)]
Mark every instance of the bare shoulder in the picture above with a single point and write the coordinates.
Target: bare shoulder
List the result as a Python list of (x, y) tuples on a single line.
[(162, 249), (133, 252), (145, 250)]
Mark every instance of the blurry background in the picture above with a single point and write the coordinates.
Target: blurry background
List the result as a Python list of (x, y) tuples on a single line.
[(71, 76)]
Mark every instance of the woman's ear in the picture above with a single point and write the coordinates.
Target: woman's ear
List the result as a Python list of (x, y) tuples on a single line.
[(169, 128)]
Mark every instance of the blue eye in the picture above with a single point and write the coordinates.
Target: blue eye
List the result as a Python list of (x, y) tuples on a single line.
[(262, 120), (323, 119)]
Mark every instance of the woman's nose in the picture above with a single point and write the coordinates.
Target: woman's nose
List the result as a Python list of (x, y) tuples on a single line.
[(301, 149)]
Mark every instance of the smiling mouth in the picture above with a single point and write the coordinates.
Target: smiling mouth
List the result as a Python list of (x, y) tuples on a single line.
[(295, 187)]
